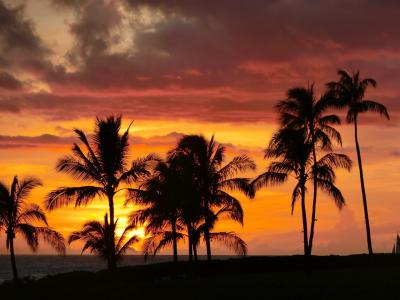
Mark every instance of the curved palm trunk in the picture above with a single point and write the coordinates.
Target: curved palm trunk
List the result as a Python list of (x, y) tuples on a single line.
[(364, 196), (112, 265), (174, 241), (314, 204), (304, 213), (13, 262)]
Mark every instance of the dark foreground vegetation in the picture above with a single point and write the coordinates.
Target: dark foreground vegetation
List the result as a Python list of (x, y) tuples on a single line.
[(326, 277)]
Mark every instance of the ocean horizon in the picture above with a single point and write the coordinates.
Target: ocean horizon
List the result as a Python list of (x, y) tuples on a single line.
[(38, 266)]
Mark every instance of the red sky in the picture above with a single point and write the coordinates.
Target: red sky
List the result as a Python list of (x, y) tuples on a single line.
[(177, 67)]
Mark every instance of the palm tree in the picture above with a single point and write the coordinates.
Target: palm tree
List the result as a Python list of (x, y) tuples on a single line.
[(214, 180), (100, 239), (103, 165), (349, 92), (162, 193), (301, 110), (159, 240), (294, 158), (229, 239), (18, 217)]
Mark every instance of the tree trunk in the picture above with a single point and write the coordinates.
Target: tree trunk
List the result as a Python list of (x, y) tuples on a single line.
[(190, 245), (207, 239), (314, 204), (207, 232), (195, 251), (112, 264), (13, 262), (174, 241), (364, 196), (304, 213)]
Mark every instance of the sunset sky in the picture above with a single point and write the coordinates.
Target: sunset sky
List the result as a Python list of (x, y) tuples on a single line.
[(202, 67)]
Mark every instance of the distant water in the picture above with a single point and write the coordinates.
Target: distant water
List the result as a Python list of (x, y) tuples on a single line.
[(38, 266)]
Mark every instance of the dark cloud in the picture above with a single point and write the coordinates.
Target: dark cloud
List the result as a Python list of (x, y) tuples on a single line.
[(50, 139), (179, 106), (154, 58), (9, 82), (32, 141), (20, 46), (204, 44)]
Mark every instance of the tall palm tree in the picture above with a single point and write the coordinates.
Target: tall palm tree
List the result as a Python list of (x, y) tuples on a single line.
[(349, 92), (214, 179), (302, 110), (19, 217), (100, 239), (294, 158), (103, 165)]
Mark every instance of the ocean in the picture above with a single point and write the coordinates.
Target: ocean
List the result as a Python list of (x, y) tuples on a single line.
[(38, 266)]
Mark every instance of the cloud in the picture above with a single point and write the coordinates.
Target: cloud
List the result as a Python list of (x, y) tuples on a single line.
[(33, 141), (21, 48), (224, 61), (9, 82), (213, 108)]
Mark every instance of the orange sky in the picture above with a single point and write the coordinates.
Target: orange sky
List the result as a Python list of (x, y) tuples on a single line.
[(181, 68)]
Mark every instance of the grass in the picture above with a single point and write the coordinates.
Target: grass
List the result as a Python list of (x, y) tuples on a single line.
[(330, 277)]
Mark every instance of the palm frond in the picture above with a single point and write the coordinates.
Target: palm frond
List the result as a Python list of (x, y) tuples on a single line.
[(268, 178), (238, 164), (296, 194), (332, 191), (32, 213), (25, 186), (336, 160), (368, 105), (236, 184), (140, 168), (64, 196), (29, 233), (53, 238), (231, 240)]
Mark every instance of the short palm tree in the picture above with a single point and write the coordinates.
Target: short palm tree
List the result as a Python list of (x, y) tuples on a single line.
[(213, 179), (100, 239), (349, 92), (228, 239), (19, 217), (302, 110), (294, 158), (162, 195), (159, 240), (103, 165)]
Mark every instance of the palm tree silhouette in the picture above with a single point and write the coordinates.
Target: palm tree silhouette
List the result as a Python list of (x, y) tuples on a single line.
[(163, 194), (349, 92), (294, 157), (213, 179), (229, 239), (104, 166), (100, 239), (19, 217), (301, 110)]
